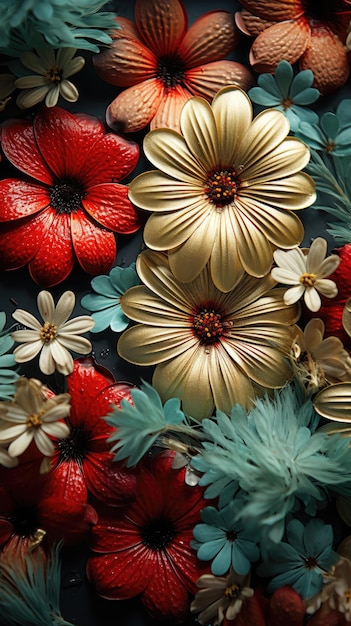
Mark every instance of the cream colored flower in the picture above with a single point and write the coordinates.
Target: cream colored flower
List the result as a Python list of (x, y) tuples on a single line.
[(211, 349), (32, 416), (50, 78), (307, 272), (53, 337), (225, 189), (336, 591), (220, 597), (5, 458)]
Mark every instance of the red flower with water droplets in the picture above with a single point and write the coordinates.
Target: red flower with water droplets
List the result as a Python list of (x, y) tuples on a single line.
[(144, 548), (69, 205)]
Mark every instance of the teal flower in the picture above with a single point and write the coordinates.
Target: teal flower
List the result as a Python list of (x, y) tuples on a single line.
[(106, 302), (227, 542), (332, 135), (302, 561), (63, 23), (287, 93), (275, 457), (30, 591), (7, 376), (139, 425)]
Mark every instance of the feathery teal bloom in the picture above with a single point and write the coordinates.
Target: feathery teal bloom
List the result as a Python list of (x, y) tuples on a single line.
[(287, 93), (333, 134), (275, 457), (302, 561), (226, 541), (139, 425), (30, 592), (106, 302), (63, 23), (7, 376)]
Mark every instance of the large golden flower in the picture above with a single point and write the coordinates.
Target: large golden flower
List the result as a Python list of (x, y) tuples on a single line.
[(211, 349), (225, 189)]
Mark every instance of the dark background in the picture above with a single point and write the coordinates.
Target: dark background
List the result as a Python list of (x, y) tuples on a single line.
[(80, 605)]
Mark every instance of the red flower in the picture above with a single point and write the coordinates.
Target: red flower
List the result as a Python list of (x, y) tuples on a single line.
[(145, 548), (70, 206), (163, 64)]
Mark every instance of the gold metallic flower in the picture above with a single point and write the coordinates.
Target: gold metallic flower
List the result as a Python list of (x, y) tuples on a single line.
[(225, 189), (211, 349), (334, 402)]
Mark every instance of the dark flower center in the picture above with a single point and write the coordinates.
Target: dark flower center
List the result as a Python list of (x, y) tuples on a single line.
[(323, 10), (222, 186), (75, 447), (170, 69), (66, 196), (158, 534), (311, 562), (208, 326), (233, 591), (24, 521), (231, 535), (54, 74)]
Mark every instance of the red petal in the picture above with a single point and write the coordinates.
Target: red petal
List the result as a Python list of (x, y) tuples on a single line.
[(114, 532), (184, 559), (111, 159), (66, 519), (165, 597), (211, 38), (121, 576), (66, 481), (91, 126), (162, 24), (20, 199), (54, 260), (6, 530), (109, 205), (102, 405), (286, 607), (108, 480), (19, 244), (95, 247), (19, 145), (250, 613)]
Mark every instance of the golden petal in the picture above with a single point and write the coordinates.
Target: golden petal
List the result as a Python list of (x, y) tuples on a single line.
[(266, 132), (149, 345), (210, 38), (232, 109), (291, 156), (247, 292), (255, 251), (229, 384), (295, 192), (269, 309), (207, 80), (334, 402), (187, 378), (156, 191), (167, 150), (346, 317), (287, 40), (168, 113), (199, 128), (281, 227), (163, 24), (187, 261), (141, 305), (225, 266), (266, 365), (164, 231), (134, 107)]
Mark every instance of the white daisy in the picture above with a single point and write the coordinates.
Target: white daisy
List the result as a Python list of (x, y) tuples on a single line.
[(220, 597), (50, 78), (307, 272), (53, 337), (31, 415)]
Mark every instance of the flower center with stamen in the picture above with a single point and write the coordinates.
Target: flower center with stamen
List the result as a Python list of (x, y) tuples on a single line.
[(233, 591), (66, 196), (54, 74), (330, 146), (231, 535), (74, 447), (307, 279), (158, 534), (34, 420), (287, 103), (170, 69), (310, 562), (48, 332), (24, 520), (221, 187), (208, 326)]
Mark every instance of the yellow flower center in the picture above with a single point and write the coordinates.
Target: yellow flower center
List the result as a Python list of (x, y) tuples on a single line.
[(34, 420), (221, 187), (308, 280), (233, 591), (207, 325), (53, 74), (48, 332)]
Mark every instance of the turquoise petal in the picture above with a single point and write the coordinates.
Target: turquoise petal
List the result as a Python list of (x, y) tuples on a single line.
[(208, 550), (283, 76), (268, 83), (240, 562), (262, 97), (303, 80), (96, 302), (222, 562), (307, 96), (119, 320), (330, 124), (102, 320), (343, 112), (211, 516), (205, 533), (103, 285)]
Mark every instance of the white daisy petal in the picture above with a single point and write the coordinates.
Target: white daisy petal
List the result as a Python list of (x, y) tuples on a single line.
[(316, 255), (27, 351), (46, 361), (43, 443), (294, 294), (19, 445), (27, 319), (46, 306), (312, 299), (56, 429)]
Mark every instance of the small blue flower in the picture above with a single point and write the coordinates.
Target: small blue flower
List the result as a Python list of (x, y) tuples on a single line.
[(229, 543), (333, 134), (7, 376), (303, 559), (287, 93), (106, 302)]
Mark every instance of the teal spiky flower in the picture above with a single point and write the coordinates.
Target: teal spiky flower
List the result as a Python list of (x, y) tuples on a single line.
[(106, 301), (63, 23), (30, 590), (277, 459), (7, 376), (141, 424)]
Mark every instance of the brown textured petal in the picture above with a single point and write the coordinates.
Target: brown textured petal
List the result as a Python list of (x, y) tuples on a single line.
[(277, 10), (251, 24), (133, 109), (125, 62), (287, 40), (206, 80), (162, 23), (168, 114), (211, 37), (327, 57)]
